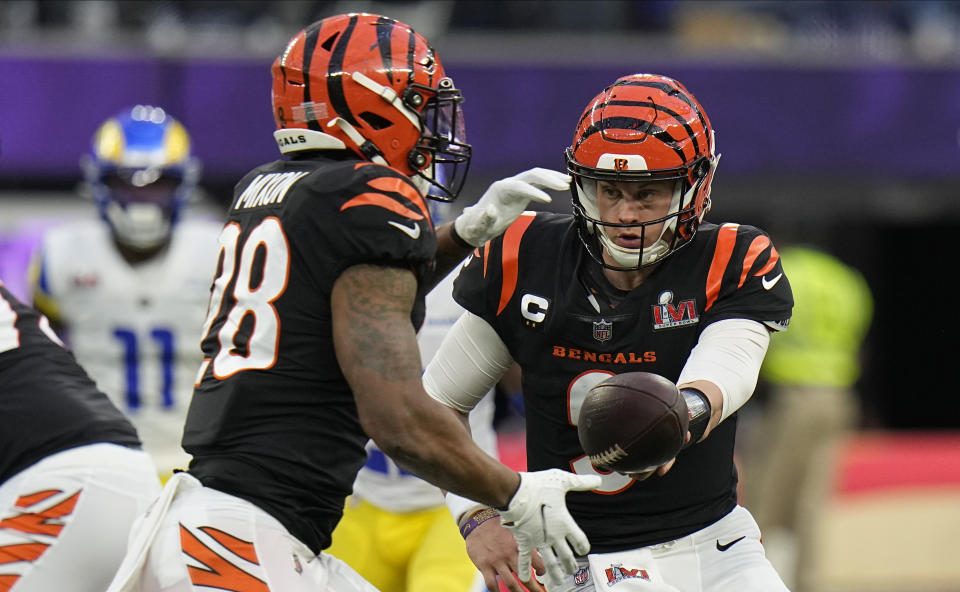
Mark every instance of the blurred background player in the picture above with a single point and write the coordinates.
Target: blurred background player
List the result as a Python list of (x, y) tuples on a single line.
[(634, 280), (310, 341), (396, 529), (129, 291), (72, 474), (811, 401)]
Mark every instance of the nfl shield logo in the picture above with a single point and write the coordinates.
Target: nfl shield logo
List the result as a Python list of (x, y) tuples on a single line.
[(602, 330)]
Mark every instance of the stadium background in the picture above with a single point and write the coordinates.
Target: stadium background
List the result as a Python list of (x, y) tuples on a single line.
[(839, 124)]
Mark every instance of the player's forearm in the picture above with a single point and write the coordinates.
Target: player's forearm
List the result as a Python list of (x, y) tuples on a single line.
[(728, 356), (470, 361), (715, 399), (436, 446), (377, 351), (451, 251)]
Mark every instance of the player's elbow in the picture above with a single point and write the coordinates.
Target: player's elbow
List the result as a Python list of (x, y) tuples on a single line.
[(417, 430), (392, 428), (400, 444)]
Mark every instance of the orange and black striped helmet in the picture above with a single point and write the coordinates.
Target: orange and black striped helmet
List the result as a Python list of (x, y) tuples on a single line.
[(372, 85), (643, 127)]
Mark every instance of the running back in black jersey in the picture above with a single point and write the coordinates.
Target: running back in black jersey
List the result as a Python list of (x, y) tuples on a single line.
[(273, 419), (47, 401), (568, 328)]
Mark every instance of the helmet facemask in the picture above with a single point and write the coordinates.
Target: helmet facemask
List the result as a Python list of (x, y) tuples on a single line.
[(642, 128), (141, 175), (441, 157), (592, 228), (141, 213)]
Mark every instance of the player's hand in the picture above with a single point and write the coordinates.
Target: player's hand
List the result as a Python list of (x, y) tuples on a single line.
[(493, 550), (538, 518), (659, 470), (504, 201)]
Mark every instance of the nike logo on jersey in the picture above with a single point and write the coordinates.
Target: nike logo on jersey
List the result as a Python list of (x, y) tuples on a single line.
[(413, 232), (728, 545), (767, 284)]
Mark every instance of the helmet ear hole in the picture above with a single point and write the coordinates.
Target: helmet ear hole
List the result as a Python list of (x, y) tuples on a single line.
[(375, 121)]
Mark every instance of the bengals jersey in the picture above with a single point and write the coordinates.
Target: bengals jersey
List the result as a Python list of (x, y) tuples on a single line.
[(568, 328), (47, 402), (273, 419)]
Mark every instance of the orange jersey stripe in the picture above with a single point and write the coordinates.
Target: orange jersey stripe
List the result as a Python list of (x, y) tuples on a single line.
[(381, 200), (402, 187), (7, 581), (238, 547), (220, 573), (486, 253), (726, 239), (25, 501), (756, 247), (43, 522), (510, 256), (774, 257), (21, 552)]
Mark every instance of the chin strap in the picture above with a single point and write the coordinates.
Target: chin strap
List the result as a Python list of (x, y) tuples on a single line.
[(387, 94), (367, 148), (634, 258)]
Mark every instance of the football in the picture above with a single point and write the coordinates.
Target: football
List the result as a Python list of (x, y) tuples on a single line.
[(633, 422)]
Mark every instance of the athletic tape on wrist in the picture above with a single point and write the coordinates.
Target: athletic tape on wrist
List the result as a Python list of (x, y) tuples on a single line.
[(699, 407), (461, 507), (476, 519)]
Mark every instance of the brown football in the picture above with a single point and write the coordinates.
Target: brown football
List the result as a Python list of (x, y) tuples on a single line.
[(632, 422)]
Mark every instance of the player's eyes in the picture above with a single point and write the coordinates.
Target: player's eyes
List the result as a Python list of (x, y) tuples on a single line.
[(609, 191)]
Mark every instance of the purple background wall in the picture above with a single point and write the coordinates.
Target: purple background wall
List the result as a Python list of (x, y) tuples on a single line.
[(865, 158), (892, 121)]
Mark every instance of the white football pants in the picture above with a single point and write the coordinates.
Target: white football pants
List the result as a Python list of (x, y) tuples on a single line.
[(726, 556), (197, 539), (65, 520)]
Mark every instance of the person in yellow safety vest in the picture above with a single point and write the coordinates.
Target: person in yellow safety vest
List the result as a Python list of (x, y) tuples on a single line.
[(811, 372)]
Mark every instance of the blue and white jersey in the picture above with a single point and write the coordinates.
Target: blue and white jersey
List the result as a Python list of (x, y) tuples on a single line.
[(134, 328)]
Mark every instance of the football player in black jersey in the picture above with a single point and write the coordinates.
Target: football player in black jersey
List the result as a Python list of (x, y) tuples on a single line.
[(634, 280), (73, 477), (310, 339)]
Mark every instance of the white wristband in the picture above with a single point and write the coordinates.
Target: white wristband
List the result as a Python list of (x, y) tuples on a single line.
[(460, 506)]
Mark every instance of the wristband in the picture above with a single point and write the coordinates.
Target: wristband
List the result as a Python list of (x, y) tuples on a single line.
[(461, 507), (459, 240), (698, 406), (476, 519)]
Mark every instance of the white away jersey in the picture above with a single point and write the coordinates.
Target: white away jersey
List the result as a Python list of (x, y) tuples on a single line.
[(135, 329)]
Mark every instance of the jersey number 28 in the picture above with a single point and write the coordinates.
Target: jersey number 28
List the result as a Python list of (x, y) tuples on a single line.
[(248, 335)]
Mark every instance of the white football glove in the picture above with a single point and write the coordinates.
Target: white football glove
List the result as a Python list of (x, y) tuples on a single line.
[(504, 201), (538, 518)]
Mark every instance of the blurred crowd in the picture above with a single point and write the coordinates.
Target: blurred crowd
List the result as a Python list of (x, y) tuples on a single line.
[(843, 368), (888, 30)]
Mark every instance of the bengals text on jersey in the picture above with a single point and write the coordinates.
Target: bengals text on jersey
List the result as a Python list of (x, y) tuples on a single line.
[(568, 328)]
